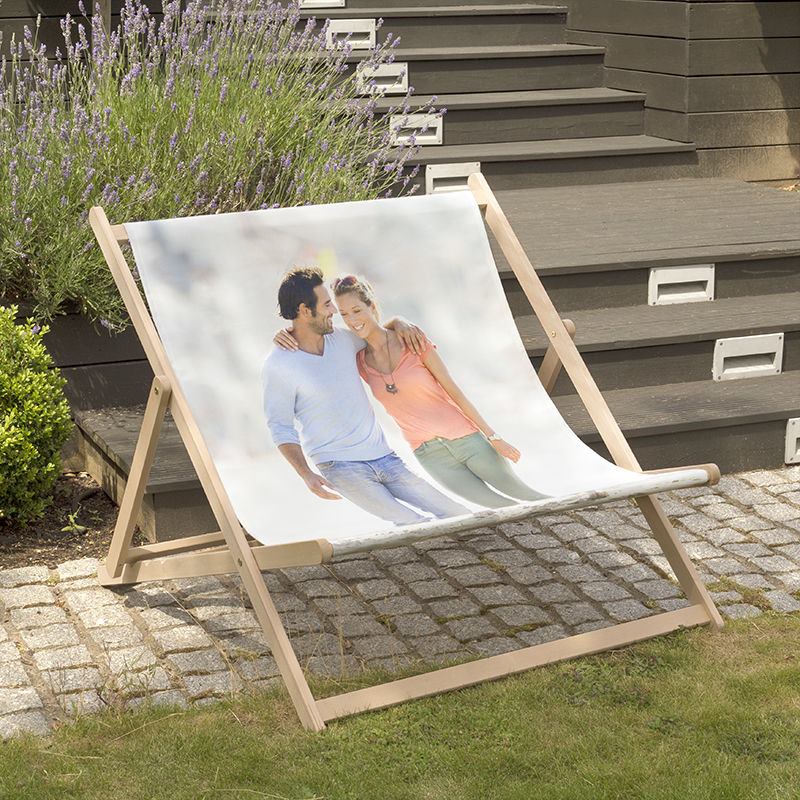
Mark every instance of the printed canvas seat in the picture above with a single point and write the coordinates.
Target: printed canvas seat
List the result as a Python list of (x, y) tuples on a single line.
[(211, 286)]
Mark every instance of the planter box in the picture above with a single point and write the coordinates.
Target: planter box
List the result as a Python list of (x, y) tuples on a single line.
[(101, 369)]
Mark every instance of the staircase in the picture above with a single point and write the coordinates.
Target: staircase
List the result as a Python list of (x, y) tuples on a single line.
[(685, 292), (685, 295), (526, 106)]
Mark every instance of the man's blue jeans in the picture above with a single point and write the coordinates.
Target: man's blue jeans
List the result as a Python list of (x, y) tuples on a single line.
[(378, 485)]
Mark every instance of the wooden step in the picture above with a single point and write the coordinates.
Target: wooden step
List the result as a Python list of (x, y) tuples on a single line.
[(387, 6), (626, 285), (649, 326), (470, 101), (459, 25), (577, 160), (616, 227), (651, 345), (521, 152), (451, 70), (533, 115), (736, 424), (174, 503), (749, 232)]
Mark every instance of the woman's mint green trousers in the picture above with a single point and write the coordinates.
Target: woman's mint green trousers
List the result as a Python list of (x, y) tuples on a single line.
[(465, 466)]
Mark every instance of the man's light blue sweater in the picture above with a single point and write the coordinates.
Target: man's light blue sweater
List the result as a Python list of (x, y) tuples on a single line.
[(325, 397)]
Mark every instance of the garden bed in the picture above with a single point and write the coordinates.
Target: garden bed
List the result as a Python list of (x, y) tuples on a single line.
[(79, 505)]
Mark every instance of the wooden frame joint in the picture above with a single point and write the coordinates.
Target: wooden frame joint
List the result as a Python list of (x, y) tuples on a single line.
[(551, 365)]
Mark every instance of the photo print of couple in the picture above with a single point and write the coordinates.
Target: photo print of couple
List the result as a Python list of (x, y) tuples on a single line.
[(355, 367)]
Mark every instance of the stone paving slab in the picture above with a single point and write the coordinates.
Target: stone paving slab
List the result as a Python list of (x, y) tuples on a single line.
[(69, 646)]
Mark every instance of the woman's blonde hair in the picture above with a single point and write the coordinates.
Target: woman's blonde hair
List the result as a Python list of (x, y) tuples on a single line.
[(352, 284)]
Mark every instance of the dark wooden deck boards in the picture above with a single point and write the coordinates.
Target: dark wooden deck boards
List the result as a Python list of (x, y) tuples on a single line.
[(614, 226), (648, 326), (641, 412), (485, 52), (388, 12), (696, 406), (115, 431)]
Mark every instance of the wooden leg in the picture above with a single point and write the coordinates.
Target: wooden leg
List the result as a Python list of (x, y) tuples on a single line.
[(143, 456), (678, 559), (245, 563), (231, 529), (550, 367)]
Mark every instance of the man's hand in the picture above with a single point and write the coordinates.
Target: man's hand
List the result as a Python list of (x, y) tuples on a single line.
[(411, 336), (285, 340), (316, 484)]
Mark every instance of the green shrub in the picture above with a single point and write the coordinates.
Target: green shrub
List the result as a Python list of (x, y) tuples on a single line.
[(34, 419)]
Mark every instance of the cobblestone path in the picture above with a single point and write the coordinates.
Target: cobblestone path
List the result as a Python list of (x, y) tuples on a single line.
[(69, 646)]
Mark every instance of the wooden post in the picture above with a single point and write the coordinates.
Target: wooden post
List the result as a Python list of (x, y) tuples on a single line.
[(550, 368), (137, 477), (241, 553)]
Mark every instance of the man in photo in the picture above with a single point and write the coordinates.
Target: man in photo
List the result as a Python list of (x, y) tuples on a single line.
[(318, 388)]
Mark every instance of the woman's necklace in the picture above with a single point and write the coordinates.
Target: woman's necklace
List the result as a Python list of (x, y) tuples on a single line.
[(390, 387)]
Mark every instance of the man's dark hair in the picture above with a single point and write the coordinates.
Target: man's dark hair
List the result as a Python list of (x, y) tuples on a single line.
[(298, 287)]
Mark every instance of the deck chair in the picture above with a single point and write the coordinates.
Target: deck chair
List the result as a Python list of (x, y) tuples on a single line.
[(204, 277)]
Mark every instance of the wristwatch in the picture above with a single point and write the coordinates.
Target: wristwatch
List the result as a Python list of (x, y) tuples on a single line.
[(495, 437)]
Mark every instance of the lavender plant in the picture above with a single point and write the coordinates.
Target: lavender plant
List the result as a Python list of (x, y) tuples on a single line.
[(225, 106)]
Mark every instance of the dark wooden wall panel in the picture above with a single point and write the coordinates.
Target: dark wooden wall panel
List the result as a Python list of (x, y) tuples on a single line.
[(743, 20), (47, 8), (663, 91), (743, 92), (49, 34), (727, 128), (724, 75), (643, 17), (743, 56), (745, 128), (647, 53)]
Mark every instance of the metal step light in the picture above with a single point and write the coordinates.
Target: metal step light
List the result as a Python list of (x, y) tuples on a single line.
[(425, 128), (449, 177), (792, 453), (748, 357), (362, 33), (386, 78), (322, 3), (685, 284)]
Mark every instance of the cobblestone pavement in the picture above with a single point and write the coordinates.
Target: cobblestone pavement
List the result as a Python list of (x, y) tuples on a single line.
[(69, 646)]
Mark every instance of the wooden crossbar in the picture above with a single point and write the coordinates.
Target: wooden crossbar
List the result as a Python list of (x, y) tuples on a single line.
[(494, 667), (550, 368), (229, 550)]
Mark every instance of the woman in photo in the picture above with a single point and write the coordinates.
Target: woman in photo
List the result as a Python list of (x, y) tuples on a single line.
[(450, 438)]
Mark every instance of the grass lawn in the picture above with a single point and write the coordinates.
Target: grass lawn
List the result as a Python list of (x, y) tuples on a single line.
[(692, 715)]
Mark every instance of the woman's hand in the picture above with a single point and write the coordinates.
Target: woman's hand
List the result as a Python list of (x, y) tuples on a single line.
[(285, 340), (506, 450)]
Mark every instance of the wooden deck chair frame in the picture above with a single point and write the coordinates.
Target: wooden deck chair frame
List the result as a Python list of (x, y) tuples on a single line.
[(229, 550)]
